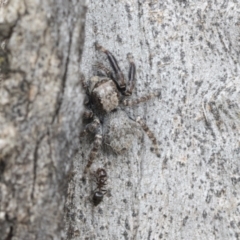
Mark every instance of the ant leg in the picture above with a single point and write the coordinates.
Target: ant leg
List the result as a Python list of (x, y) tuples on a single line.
[(114, 64), (150, 134), (96, 145), (131, 76), (145, 98), (104, 191)]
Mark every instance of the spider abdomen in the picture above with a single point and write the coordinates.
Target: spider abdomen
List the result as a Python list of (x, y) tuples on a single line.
[(120, 132)]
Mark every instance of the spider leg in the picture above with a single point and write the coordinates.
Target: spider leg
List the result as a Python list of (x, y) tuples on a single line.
[(87, 114), (107, 72), (86, 100), (96, 189), (131, 76), (91, 127), (114, 64), (96, 145), (94, 177), (150, 134), (145, 98), (85, 84)]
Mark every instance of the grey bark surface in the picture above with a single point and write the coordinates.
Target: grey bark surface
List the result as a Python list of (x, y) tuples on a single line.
[(189, 50), (40, 108)]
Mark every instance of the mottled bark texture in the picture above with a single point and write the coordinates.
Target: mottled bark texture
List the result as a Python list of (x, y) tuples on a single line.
[(40, 109), (190, 51)]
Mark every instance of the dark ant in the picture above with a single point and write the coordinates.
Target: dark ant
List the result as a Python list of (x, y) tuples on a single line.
[(100, 179)]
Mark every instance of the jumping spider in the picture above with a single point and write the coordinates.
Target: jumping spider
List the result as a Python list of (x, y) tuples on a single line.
[(100, 178), (104, 96)]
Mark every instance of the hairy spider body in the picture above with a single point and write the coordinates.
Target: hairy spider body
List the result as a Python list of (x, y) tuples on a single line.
[(104, 94), (120, 132), (105, 98)]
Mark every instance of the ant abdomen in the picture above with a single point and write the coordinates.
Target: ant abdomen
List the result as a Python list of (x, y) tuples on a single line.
[(100, 177)]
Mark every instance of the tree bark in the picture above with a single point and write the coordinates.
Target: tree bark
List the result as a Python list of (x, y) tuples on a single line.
[(189, 50), (40, 102)]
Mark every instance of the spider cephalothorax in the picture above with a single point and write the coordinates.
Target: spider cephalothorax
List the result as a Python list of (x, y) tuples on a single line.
[(104, 95)]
